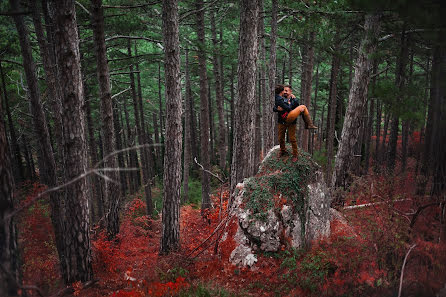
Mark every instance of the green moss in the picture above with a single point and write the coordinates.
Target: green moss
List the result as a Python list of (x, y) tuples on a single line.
[(279, 175)]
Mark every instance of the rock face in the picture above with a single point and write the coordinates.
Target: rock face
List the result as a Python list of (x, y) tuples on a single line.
[(285, 204)]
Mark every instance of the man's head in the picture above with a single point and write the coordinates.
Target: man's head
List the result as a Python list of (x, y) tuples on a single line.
[(279, 89), (287, 91)]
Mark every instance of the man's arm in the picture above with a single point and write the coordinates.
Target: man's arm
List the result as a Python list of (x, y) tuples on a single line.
[(280, 103)]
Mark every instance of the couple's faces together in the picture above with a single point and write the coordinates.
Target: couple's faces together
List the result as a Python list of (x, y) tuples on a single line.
[(286, 92)]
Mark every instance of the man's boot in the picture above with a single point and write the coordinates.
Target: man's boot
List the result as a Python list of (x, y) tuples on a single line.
[(308, 121), (283, 153)]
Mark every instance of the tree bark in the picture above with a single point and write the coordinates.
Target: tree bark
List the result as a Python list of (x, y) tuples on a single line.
[(18, 170), (170, 239), (216, 59), (306, 82), (112, 193), (47, 165), (9, 252), (331, 118), (157, 141), (242, 156), (187, 127), (357, 99), (77, 223), (147, 150), (204, 107), (141, 139), (268, 118), (400, 81)]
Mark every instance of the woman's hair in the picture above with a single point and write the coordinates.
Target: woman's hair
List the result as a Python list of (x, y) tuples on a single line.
[(279, 89)]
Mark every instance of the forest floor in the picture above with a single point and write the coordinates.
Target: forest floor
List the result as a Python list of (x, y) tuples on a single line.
[(363, 256)]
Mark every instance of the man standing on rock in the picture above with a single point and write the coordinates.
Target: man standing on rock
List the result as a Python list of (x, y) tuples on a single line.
[(288, 109)]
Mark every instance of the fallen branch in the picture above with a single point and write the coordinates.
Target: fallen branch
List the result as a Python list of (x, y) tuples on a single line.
[(94, 170), (402, 269)]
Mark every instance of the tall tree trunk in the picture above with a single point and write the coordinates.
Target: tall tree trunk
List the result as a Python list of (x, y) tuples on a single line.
[(18, 170), (242, 156), (400, 81), (232, 120), (187, 132), (406, 123), (170, 239), (268, 119), (357, 99), (433, 153), (118, 144), (211, 127), (158, 143), (9, 252), (204, 107), (146, 150), (161, 117), (112, 194), (77, 223), (216, 59), (331, 118), (306, 82), (47, 166), (369, 127), (92, 149), (28, 158), (316, 89), (134, 176), (141, 140)]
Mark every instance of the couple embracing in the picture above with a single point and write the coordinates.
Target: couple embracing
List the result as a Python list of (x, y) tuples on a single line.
[(288, 109)]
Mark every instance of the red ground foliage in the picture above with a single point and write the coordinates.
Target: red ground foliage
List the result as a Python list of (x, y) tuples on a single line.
[(361, 258)]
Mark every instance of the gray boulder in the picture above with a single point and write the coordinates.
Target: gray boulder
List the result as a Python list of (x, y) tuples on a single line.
[(285, 204)]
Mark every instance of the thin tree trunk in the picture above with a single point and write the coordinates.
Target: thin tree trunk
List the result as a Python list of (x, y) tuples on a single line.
[(141, 140), (19, 172), (92, 149), (331, 117), (369, 128), (308, 64), (204, 108), (161, 117), (316, 89), (357, 99), (268, 119), (400, 82), (28, 159), (77, 223), (157, 141), (187, 127), (383, 155), (377, 133), (112, 194), (170, 239), (242, 156), (219, 96), (124, 185), (147, 150)]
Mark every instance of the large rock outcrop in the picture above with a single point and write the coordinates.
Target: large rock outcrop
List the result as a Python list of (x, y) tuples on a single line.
[(284, 204)]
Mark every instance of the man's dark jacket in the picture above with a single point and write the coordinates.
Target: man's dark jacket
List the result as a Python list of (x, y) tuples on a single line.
[(283, 102)]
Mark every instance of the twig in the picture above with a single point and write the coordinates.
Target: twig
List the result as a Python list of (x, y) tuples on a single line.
[(211, 173), (402, 269), (131, 37), (83, 8), (130, 7), (123, 91), (94, 170)]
